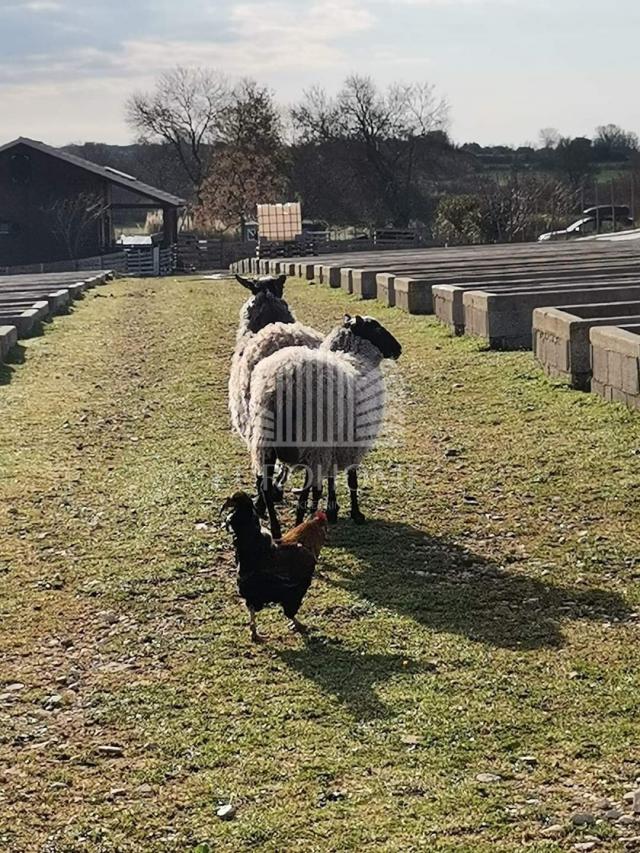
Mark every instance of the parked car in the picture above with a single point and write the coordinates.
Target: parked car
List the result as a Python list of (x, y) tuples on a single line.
[(603, 217)]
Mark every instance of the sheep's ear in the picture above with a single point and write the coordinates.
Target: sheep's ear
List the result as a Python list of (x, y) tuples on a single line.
[(248, 283), (346, 321)]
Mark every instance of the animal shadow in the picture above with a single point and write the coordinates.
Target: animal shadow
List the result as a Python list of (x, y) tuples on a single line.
[(347, 674), (448, 588), (16, 356)]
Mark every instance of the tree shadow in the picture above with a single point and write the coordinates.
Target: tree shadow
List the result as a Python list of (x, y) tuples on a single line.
[(349, 676), (16, 356), (447, 588)]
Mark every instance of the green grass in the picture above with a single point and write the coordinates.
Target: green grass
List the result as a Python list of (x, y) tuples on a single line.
[(488, 610)]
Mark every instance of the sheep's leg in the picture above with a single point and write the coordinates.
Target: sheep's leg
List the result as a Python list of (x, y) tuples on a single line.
[(332, 501), (316, 494), (267, 493), (260, 503), (280, 483), (352, 480), (301, 509), (303, 496)]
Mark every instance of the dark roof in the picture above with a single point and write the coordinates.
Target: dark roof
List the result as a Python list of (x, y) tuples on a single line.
[(112, 175)]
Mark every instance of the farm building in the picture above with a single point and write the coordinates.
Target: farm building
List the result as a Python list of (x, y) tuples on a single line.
[(55, 206)]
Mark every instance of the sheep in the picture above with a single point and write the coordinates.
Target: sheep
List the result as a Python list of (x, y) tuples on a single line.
[(320, 409), (265, 306), (266, 325)]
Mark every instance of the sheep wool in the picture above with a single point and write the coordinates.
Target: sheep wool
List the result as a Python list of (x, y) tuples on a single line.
[(320, 408)]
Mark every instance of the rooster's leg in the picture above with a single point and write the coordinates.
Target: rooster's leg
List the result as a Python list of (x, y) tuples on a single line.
[(332, 501), (352, 479), (298, 626), (252, 625)]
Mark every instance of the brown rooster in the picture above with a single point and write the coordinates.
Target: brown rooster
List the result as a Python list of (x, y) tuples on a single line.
[(312, 534), (271, 572)]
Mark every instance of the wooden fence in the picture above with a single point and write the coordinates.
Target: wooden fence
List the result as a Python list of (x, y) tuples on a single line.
[(210, 253), (116, 261)]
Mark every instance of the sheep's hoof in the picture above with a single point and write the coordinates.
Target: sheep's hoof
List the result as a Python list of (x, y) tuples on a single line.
[(357, 517), (332, 514)]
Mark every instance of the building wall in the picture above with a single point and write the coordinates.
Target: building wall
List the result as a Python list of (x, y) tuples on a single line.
[(27, 187)]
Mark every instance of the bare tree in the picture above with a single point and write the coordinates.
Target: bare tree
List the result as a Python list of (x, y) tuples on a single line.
[(383, 131), (72, 218), (549, 137), (184, 110), (611, 142), (249, 167)]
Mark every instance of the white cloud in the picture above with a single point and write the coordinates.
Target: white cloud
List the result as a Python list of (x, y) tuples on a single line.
[(37, 6)]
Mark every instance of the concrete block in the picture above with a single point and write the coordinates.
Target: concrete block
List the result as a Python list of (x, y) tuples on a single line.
[(28, 321), (363, 283), (615, 358), (318, 275), (345, 280), (413, 295), (448, 306), (307, 271), (505, 319), (331, 276), (8, 339), (386, 291), (561, 337)]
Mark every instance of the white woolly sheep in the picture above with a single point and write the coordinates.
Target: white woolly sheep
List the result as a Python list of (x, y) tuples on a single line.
[(266, 325), (319, 409)]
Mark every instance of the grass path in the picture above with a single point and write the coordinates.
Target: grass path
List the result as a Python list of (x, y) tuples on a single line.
[(484, 621)]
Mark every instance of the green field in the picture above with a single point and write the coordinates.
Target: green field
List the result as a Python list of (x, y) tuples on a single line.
[(484, 621)]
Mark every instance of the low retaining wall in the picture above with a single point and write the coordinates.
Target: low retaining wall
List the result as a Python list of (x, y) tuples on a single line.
[(561, 337), (615, 359), (505, 319), (448, 299)]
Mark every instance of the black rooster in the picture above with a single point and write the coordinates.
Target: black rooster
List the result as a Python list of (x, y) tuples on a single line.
[(268, 572)]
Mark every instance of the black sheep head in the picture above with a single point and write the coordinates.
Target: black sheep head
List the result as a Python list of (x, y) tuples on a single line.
[(268, 283), (371, 330), (266, 305)]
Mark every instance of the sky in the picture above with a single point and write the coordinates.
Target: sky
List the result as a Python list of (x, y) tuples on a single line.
[(507, 67)]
